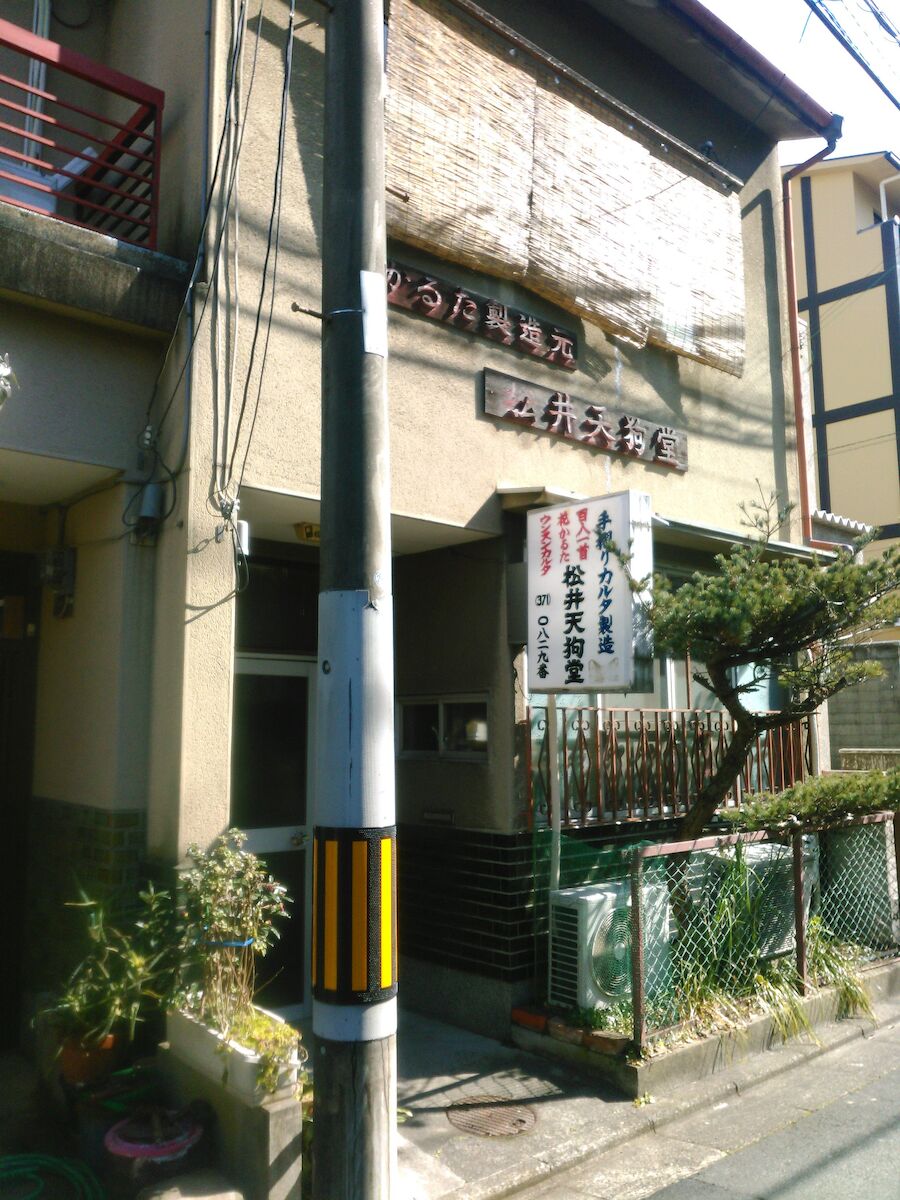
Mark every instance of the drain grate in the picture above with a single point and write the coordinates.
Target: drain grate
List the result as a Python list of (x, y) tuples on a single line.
[(491, 1116)]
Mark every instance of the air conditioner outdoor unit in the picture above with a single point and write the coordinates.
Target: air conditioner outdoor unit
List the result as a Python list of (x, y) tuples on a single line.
[(590, 944), (771, 881), (859, 885)]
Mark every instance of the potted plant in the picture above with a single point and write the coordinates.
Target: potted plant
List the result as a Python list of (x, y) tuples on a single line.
[(227, 908), (114, 987)]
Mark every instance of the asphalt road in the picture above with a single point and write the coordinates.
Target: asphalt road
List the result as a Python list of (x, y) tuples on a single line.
[(829, 1130)]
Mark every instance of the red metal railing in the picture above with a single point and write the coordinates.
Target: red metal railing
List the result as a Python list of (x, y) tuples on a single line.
[(96, 167), (639, 764)]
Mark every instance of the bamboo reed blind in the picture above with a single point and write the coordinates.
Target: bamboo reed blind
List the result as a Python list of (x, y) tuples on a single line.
[(513, 172)]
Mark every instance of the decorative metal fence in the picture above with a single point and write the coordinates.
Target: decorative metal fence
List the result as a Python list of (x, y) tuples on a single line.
[(638, 764), (723, 926), (95, 164)]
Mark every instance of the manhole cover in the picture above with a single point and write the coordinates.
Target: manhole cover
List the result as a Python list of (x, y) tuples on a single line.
[(490, 1116)]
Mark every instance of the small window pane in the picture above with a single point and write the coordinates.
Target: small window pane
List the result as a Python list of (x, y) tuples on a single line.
[(420, 728), (466, 726), (268, 775)]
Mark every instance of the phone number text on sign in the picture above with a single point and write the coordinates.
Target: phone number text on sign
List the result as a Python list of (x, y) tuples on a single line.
[(586, 627)]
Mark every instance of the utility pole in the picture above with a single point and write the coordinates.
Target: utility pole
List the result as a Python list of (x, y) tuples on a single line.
[(354, 947)]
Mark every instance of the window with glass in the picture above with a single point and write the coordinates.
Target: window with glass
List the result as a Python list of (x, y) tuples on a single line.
[(450, 725)]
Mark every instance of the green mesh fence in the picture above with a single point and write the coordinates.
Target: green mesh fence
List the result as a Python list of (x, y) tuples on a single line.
[(713, 921), (859, 887), (717, 929)]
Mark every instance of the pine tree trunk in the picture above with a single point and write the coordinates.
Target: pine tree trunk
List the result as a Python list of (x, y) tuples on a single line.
[(699, 816), (716, 789)]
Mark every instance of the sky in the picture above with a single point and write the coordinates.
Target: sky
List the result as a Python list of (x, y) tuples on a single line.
[(792, 37)]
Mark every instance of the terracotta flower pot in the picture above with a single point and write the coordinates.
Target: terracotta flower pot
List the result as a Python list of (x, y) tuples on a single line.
[(80, 1063)]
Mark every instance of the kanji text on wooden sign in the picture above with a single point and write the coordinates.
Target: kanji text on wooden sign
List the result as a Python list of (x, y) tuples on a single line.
[(453, 305), (619, 432), (587, 626)]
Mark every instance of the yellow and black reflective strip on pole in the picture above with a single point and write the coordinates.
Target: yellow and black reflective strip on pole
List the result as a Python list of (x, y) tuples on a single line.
[(354, 918)]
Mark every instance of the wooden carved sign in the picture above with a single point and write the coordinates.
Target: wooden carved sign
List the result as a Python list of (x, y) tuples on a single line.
[(452, 305), (546, 411)]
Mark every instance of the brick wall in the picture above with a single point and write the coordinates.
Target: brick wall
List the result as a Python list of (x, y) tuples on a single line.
[(73, 848)]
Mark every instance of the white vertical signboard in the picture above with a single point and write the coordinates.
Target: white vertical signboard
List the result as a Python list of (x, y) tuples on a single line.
[(587, 630)]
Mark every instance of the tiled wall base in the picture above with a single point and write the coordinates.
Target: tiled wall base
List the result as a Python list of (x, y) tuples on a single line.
[(74, 848)]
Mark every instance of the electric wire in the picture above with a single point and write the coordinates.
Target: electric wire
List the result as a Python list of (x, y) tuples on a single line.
[(827, 12), (272, 241), (216, 252), (861, 442), (198, 258), (232, 325)]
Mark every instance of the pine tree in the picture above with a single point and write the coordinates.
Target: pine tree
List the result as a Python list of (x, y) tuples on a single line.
[(793, 618)]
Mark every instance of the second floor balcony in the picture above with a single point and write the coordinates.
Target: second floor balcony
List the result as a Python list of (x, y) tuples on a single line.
[(79, 142)]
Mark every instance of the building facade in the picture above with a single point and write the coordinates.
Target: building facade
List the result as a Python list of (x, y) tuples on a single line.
[(586, 294), (846, 216), (846, 220)]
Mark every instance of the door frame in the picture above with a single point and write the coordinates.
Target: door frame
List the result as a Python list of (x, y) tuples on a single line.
[(272, 839)]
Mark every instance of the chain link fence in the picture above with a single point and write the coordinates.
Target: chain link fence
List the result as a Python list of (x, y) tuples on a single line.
[(724, 927), (858, 882), (651, 939)]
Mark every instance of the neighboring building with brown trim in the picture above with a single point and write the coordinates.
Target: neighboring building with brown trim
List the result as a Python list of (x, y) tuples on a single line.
[(847, 236), (846, 216)]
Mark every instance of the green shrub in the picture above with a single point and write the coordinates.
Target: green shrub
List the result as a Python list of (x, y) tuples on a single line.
[(821, 800)]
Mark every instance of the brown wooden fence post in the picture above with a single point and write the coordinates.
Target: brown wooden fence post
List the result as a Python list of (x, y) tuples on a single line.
[(799, 910), (637, 953)]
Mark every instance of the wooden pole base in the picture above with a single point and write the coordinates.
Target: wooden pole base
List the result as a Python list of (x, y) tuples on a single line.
[(355, 1088)]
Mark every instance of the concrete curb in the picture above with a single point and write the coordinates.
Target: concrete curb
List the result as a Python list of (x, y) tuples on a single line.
[(701, 1059), (694, 1097)]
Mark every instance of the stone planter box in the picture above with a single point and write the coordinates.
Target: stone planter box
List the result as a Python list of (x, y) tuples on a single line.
[(257, 1136), (235, 1069)]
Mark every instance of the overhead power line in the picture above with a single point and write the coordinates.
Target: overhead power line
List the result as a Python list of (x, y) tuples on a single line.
[(870, 33)]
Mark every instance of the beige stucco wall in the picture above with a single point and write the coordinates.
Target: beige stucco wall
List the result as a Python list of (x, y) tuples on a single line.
[(853, 346), (448, 459), (82, 387), (190, 732), (862, 463), (855, 349), (91, 710), (843, 251)]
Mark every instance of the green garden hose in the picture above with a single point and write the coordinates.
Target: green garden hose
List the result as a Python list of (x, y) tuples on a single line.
[(36, 1169)]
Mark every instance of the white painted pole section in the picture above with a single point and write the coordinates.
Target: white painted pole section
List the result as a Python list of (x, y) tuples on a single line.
[(553, 771), (355, 713)]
